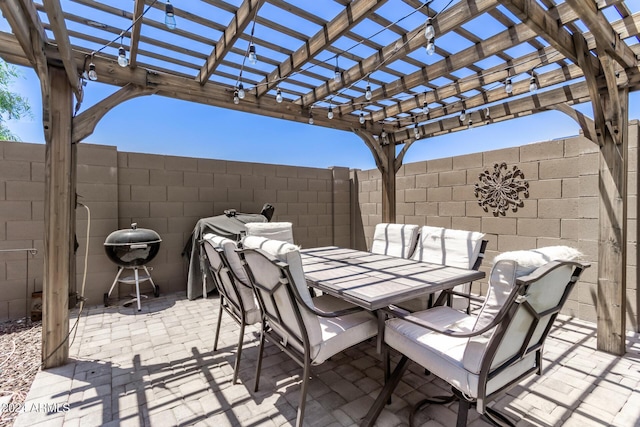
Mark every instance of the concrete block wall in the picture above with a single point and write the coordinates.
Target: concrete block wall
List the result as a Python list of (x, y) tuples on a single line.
[(562, 207), (165, 193)]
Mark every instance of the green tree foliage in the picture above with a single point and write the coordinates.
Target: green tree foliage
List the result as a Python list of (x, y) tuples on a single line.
[(12, 105)]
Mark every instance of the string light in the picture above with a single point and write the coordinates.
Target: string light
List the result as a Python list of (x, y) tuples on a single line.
[(253, 58), (383, 136), (508, 86), (533, 84), (425, 108), (310, 117), (122, 57), (337, 77), (330, 112), (361, 119), (93, 76), (367, 93), (169, 16), (431, 47), (429, 32), (236, 98), (279, 96), (241, 92), (463, 115), (416, 132)]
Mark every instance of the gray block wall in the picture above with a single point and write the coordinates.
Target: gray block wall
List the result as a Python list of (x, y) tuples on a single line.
[(562, 207)]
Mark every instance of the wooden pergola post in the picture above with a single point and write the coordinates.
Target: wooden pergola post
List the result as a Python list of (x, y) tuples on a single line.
[(59, 221)]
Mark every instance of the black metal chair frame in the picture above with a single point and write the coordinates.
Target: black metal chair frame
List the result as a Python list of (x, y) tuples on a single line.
[(274, 316), (236, 310), (501, 322)]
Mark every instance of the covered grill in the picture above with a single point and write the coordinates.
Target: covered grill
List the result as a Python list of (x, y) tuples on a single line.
[(132, 247)]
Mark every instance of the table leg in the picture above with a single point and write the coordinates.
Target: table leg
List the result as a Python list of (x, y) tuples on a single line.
[(380, 339)]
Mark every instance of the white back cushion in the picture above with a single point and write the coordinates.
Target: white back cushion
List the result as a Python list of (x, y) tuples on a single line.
[(244, 288), (282, 231), (530, 260), (290, 254), (397, 240), (455, 248)]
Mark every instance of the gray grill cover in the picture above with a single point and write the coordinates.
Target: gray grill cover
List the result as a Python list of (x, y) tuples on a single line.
[(230, 225)]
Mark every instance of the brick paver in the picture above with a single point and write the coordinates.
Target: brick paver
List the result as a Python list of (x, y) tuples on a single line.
[(157, 368)]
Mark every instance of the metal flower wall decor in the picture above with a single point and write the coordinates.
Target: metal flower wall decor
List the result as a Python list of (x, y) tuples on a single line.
[(500, 189)]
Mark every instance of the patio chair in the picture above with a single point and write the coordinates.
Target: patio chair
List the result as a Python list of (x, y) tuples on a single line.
[(272, 230), (397, 240), (454, 248), (236, 294), (483, 356), (309, 330)]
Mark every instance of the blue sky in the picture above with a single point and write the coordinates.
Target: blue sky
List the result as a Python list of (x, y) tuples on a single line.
[(154, 124)]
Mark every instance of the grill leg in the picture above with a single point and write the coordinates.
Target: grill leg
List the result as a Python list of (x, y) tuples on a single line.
[(135, 273), (120, 270)]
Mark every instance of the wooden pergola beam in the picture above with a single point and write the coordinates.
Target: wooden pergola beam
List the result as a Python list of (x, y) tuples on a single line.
[(539, 20), (574, 93), (502, 41), (85, 123), (457, 15), (241, 19), (586, 123), (134, 41), (604, 33), (351, 16), (56, 20)]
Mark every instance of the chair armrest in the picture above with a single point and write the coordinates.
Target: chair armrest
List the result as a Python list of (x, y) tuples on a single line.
[(409, 317)]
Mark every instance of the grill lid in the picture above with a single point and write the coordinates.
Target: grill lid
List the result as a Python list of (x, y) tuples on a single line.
[(132, 236)]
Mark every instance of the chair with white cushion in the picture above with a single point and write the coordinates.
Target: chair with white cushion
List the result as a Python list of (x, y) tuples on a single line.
[(397, 240), (309, 330), (271, 230), (454, 248), (483, 356), (236, 293)]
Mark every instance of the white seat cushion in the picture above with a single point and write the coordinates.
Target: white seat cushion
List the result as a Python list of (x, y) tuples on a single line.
[(530, 260), (340, 333), (443, 355), (397, 240), (282, 231)]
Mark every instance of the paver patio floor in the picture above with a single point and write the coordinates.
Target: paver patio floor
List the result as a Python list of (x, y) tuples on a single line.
[(157, 368)]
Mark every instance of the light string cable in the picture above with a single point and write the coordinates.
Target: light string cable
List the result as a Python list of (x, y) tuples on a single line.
[(493, 86), (385, 60), (244, 59), (342, 52)]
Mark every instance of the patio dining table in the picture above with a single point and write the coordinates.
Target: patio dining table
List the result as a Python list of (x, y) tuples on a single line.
[(374, 281)]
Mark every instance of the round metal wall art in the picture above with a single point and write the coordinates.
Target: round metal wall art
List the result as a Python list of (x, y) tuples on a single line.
[(500, 189)]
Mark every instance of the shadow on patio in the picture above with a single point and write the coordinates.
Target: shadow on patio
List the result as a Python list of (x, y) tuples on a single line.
[(156, 368)]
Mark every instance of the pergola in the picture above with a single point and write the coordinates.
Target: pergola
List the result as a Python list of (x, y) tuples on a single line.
[(391, 71)]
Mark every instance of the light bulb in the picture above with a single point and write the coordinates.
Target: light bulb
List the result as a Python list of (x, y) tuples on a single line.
[(279, 96), (429, 32), (93, 76), (463, 115), (330, 113), (431, 47), (122, 57), (367, 94), (338, 75), (533, 84), (253, 58), (508, 86), (236, 98), (241, 92), (416, 132), (310, 118), (470, 122), (425, 108), (169, 16), (361, 119)]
